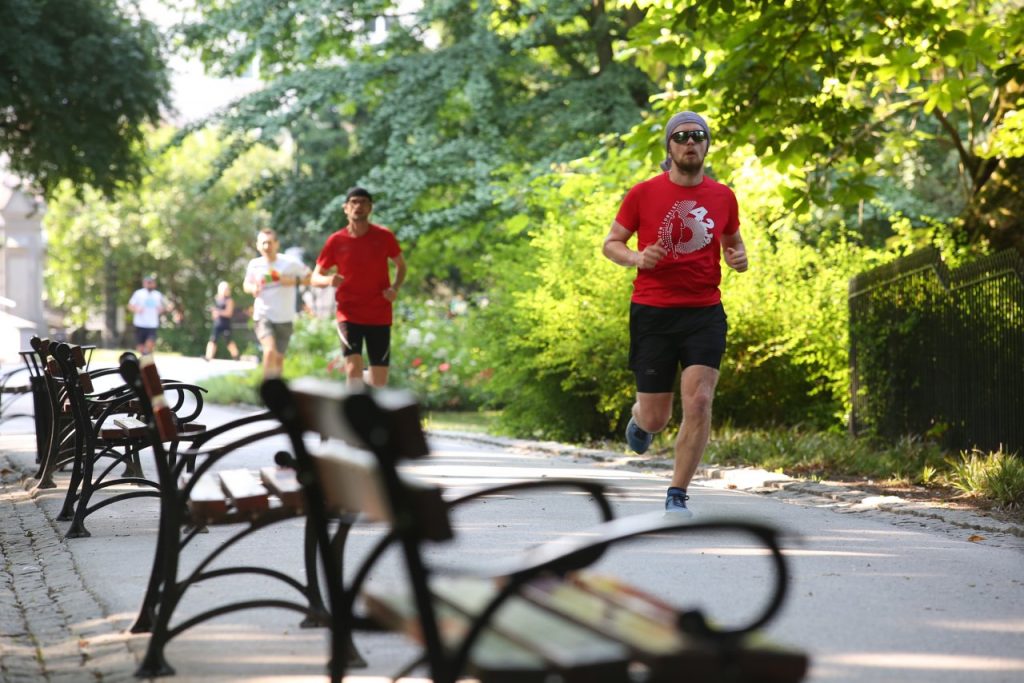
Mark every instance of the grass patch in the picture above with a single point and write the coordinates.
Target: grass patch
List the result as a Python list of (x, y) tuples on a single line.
[(234, 388), (826, 455), (997, 476)]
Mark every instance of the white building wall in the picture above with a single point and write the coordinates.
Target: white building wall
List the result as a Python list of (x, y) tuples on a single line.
[(22, 253)]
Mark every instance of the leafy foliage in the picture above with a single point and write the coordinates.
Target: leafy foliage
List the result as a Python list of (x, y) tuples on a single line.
[(78, 83), (555, 333), (431, 109), (190, 235), (436, 354), (834, 94), (449, 109), (997, 475)]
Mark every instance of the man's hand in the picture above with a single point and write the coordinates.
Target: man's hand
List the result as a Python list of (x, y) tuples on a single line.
[(390, 293), (736, 258), (649, 257)]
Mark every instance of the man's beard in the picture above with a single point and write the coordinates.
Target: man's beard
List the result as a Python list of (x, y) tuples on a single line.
[(689, 165)]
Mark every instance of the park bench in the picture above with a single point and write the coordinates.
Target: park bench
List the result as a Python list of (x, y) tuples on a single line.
[(52, 417), (106, 433), (195, 496), (12, 388), (542, 619), (252, 499), (55, 427)]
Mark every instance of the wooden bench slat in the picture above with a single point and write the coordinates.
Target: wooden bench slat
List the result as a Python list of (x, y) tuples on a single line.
[(129, 422), (246, 492), (646, 636), (206, 500), (495, 659), (565, 645), (397, 612), (283, 483), (322, 405), (351, 483)]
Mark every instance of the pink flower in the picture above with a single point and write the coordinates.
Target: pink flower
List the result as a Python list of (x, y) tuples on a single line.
[(444, 367), (416, 362)]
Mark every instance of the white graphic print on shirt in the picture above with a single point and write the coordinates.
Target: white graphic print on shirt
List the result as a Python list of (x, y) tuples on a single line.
[(685, 228)]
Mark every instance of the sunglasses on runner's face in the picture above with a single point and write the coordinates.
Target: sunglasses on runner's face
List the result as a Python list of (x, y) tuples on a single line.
[(681, 136)]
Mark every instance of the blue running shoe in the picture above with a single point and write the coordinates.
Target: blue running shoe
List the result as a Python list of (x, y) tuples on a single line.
[(638, 439), (675, 504)]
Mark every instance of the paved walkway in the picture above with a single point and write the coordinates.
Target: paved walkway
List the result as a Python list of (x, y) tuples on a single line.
[(65, 605)]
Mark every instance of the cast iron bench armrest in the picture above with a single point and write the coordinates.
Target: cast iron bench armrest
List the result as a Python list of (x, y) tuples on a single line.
[(6, 377), (208, 456), (538, 614), (201, 442), (597, 489), (561, 556)]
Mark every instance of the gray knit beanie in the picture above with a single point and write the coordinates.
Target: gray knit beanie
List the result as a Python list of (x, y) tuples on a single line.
[(673, 123)]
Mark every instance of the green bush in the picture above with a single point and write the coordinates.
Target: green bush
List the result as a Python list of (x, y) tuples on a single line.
[(558, 337), (555, 332), (434, 354), (234, 388), (998, 476)]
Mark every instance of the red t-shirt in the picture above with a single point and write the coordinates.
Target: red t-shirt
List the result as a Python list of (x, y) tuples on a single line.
[(688, 223), (363, 262)]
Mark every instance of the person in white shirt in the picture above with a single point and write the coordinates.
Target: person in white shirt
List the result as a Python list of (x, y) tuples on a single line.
[(146, 305), (272, 278)]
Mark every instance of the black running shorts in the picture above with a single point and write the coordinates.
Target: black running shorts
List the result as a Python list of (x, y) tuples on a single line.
[(377, 338), (664, 339)]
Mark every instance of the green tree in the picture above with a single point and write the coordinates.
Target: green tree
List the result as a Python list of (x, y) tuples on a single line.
[(190, 234), (433, 110), (837, 94), (78, 82), (437, 108)]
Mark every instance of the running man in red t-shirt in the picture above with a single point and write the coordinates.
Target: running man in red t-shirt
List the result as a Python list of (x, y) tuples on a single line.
[(684, 221), (355, 260)]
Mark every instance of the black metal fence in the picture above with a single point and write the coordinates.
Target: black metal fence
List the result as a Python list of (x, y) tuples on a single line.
[(940, 352)]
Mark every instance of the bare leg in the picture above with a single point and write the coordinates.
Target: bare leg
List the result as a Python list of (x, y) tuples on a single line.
[(272, 360), (652, 411), (354, 369), (379, 375), (698, 391), (233, 350), (211, 350)]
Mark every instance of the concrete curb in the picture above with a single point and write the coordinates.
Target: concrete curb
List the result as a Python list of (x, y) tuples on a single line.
[(761, 482)]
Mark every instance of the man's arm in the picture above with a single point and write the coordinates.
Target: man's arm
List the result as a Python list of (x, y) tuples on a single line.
[(132, 305), (617, 251), (735, 252), (400, 269), (323, 278), (301, 276), (252, 285)]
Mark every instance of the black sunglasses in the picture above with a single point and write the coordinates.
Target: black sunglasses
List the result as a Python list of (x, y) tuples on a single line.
[(681, 136)]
